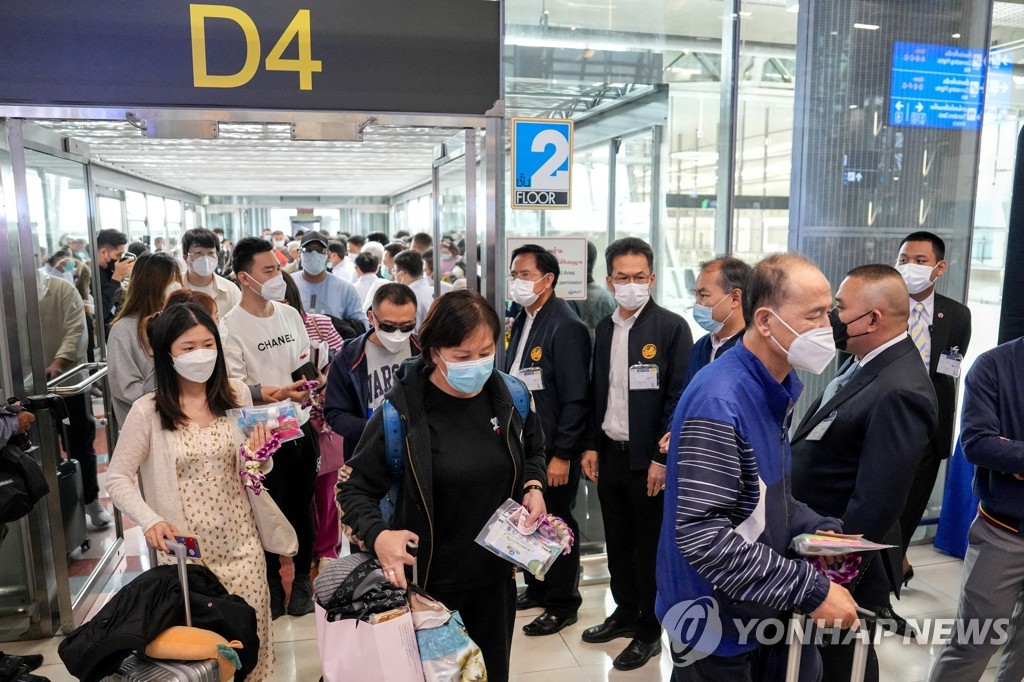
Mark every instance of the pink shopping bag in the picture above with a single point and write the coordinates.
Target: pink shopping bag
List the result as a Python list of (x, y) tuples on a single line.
[(354, 650)]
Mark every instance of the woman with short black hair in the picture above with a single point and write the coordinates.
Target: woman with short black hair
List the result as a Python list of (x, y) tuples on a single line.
[(466, 451)]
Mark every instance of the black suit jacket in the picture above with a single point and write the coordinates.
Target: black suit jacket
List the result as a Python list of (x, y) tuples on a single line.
[(951, 327), (564, 360), (862, 468), (667, 340)]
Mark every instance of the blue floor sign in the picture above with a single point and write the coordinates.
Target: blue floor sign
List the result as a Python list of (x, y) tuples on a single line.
[(541, 163)]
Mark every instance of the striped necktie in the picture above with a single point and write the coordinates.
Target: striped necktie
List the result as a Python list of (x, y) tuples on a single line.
[(840, 381), (919, 331)]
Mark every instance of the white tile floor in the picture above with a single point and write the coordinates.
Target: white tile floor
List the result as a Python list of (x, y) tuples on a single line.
[(565, 658)]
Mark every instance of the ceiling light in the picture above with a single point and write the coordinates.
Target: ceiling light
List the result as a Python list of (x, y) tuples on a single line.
[(853, 106), (956, 35), (867, 27), (746, 14)]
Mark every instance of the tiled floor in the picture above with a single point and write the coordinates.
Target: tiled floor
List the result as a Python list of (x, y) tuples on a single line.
[(565, 658)]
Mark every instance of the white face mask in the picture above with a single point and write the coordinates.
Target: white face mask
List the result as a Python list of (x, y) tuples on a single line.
[(394, 341), (813, 350), (917, 277), (197, 365), (522, 292), (171, 288), (203, 266), (313, 262), (273, 289), (632, 296)]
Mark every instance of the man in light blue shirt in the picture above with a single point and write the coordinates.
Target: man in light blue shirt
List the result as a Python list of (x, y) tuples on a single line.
[(320, 292)]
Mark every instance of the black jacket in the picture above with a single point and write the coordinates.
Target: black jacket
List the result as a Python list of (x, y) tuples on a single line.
[(365, 479), (347, 388), (862, 468), (951, 326), (666, 338), (147, 606), (109, 290), (559, 344)]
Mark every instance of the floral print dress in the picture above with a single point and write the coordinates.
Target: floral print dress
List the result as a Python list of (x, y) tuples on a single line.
[(217, 510)]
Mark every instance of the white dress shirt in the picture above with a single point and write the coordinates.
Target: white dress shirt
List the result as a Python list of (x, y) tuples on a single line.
[(424, 290), (363, 284), (716, 344), (616, 416), (527, 326), (881, 349), (927, 317)]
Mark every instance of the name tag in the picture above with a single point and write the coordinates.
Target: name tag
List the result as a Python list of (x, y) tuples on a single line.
[(643, 378), (949, 363), (531, 376), (819, 431)]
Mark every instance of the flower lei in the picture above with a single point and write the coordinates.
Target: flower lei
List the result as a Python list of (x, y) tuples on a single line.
[(252, 462), (840, 572), (551, 529), (315, 402)]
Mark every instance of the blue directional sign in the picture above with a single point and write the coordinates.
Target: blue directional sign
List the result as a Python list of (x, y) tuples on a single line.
[(937, 86), (541, 163)]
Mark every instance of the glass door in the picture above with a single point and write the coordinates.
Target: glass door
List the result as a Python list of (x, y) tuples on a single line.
[(454, 203)]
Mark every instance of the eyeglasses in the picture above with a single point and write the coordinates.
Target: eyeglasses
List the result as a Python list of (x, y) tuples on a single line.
[(626, 279), (389, 328), (511, 277)]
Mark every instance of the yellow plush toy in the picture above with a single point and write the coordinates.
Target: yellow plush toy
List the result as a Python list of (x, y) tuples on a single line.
[(180, 643)]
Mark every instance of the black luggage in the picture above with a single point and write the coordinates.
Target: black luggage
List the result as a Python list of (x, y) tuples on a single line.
[(72, 505)]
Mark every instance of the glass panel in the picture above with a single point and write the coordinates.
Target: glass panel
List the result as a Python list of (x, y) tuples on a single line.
[(156, 222), (110, 213), (135, 204), (633, 187)]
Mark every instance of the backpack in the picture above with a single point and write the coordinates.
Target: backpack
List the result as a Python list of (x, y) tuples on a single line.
[(394, 446), (22, 483)]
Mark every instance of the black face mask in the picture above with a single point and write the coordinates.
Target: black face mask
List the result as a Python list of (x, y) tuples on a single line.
[(840, 329)]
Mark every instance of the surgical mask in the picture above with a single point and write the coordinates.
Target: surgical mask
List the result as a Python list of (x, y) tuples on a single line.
[(522, 292), (313, 262), (273, 289), (470, 376), (384, 273), (840, 329), (171, 288), (197, 365), (917, 277), (446, 256), (278, 243), (632, 296), (69, 266), (393, 341), (203, 265), (702, 316), (813, 350)]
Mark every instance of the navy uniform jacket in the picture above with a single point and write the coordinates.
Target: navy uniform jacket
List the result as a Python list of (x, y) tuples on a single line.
[(861, 468), (700, 357), (559, 344), (951, 326), (658, 337)]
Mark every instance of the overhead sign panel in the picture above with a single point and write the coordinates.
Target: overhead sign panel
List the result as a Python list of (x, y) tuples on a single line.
[(936, 86), (341, 55), (571, 253), (541, 163)]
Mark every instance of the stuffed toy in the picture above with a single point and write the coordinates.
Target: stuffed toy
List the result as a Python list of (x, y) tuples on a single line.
[(180, 643)]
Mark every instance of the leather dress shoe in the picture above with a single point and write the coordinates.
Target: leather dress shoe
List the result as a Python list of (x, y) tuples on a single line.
[(547, 623), (637, 654), (607, 631), (525, 601), (893, 622)]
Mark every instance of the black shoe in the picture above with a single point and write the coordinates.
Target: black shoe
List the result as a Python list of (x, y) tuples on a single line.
[(12, 667), (301, 601), (893, 622), (607, 631), (276, 600), (33, 661), (547, 624), (525, 601), (908, 576), (637, 654)]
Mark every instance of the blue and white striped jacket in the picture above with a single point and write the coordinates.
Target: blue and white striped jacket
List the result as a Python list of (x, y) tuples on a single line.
[(729, 514)]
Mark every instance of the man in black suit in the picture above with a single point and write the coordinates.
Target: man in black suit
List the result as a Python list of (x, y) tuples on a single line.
[(550, 352), (946, 327), (640, 357), (856, 450)]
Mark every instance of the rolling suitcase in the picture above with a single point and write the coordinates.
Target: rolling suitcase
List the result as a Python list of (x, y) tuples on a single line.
[(796, 627), (72, 505), (138, 668)]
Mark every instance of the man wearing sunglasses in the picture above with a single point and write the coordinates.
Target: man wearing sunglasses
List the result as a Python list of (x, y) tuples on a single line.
[(367, 365)]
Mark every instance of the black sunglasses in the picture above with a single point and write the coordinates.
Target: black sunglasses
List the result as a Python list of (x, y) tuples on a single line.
[(388, 328)]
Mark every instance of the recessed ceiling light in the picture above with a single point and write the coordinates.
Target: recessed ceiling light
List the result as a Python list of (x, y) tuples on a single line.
[(853, 106), (867, 27), (956, 35)]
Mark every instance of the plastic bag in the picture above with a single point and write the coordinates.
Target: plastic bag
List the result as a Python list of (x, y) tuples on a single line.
[(446, 651), (279, 417), (532, 548)]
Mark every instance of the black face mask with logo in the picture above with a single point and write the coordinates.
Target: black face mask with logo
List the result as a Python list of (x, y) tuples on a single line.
[(840, 329)]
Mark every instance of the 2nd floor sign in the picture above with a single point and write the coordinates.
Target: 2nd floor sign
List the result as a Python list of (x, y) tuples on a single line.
[(541, 163), (298, 32)]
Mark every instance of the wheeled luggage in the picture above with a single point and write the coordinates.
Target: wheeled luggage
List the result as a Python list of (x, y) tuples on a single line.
[(796, 628), (72, 505)]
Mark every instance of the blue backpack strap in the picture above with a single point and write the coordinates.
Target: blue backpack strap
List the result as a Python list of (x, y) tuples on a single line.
[(394, 450), (521, 397)]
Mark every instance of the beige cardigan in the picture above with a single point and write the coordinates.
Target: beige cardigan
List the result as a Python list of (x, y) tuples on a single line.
[(146, 447)]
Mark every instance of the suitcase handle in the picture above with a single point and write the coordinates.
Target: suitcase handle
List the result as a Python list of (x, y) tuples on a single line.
[(411, 547), (795, 630), (181, 552)]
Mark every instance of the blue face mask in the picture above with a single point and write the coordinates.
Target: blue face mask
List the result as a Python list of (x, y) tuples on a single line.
[(702, 316), (468, 377)]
